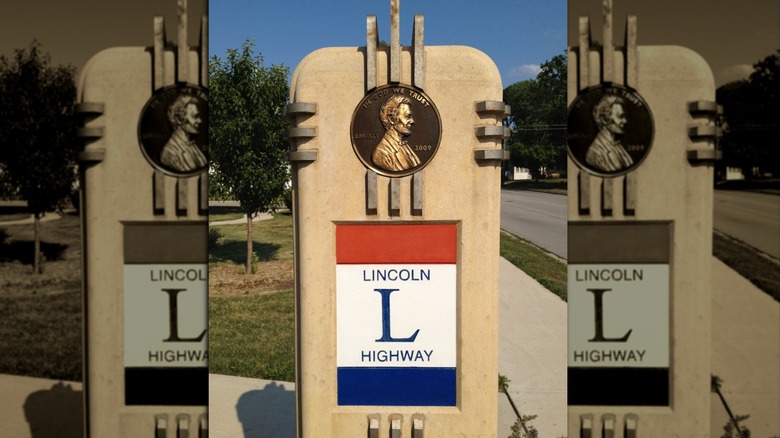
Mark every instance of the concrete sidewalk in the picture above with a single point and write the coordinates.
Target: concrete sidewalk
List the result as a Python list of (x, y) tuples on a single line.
[(32, 407), (532, 353), (259, 217), (745, 353), (48, 217), (244, 408)]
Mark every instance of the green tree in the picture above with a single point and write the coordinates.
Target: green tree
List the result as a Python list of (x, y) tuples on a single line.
[(217, 189), (38, 143), (534, 157), (551, 80), (248, 147), (740, 148), (751, 124), (538, 119)]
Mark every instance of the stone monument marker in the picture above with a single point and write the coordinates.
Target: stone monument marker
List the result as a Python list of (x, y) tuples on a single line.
[(641, 147), (396, 158), (144, 215)]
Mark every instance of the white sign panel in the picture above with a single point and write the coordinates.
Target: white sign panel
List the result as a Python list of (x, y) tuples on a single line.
[(396, 320), (165, 313), (618, 315), (396, 315)]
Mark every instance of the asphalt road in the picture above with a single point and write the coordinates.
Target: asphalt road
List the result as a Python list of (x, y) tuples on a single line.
[(753, 218), (537, 217)]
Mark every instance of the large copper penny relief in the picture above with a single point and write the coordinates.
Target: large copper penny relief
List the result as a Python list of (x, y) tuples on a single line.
[(172, 130), (610, 130), (395, 130)]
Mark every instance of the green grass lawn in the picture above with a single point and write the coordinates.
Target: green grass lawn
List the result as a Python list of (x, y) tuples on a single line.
[(758, 269), (762, 185), (251, 323), (272, 240), (224, 213), (41, 335), (549, 271), (40, 314), (253, 336), (553, 185)]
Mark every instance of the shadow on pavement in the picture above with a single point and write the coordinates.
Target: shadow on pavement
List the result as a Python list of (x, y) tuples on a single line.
[(55, 412), (268, 412)]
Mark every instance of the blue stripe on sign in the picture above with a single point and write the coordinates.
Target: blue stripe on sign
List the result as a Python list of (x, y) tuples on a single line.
[(369, 386)]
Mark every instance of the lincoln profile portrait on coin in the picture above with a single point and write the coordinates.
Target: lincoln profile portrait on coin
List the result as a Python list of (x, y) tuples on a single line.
[(181, 153), (606, 153), (393, 153)]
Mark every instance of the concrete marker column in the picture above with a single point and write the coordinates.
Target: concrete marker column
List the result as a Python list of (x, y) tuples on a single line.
[(664, 223), (131, 205), (355, 196)]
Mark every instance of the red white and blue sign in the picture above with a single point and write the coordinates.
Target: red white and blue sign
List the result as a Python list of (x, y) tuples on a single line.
[(396, 289)]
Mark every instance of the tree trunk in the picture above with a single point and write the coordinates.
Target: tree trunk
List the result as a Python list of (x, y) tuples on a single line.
[(37, 268), (248, 243)]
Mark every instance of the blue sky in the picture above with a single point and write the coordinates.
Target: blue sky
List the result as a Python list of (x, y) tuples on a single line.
[(517, 35)]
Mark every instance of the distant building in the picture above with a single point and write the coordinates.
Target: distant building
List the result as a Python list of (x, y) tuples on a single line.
[(734, 174), (516, 173)]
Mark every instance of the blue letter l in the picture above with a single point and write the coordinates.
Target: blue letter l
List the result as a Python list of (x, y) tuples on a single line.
[(386, 319)]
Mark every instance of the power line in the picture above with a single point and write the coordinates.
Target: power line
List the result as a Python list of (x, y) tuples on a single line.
[(559, 127)]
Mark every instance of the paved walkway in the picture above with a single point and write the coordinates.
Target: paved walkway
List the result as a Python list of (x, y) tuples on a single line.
[(244, 408), (745, 353), (531, 352), (259, 217), (31, 407), (28, 220)]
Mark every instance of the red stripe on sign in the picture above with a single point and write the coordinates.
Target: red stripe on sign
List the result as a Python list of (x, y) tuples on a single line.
[(357, 244)]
